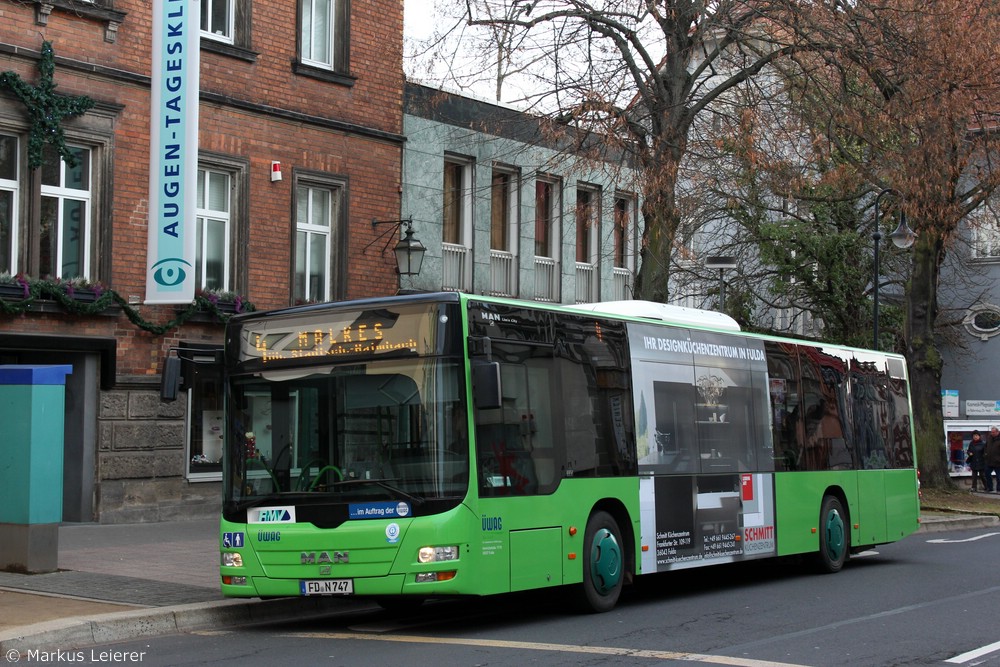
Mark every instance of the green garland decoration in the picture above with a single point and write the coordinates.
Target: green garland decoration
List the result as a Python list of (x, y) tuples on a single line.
[(65, 295), (46, 110)]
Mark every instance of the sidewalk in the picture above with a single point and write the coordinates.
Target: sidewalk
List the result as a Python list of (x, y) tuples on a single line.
[(119, 582)]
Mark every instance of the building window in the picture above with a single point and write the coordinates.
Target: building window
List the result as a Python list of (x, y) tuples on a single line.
[(318, 234), (624, 246), (456, 234), (544, 218), (983, 321), (587, 227), (8, 203), (503, 233), (212, 236), (222, 221), (324, 36), (217, 19), (51, 217), (64, 227), (203, 379), (987, 243), (547, 243)]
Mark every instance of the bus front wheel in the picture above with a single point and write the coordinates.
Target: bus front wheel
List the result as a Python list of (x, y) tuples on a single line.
[(603, 563), (834, 536)]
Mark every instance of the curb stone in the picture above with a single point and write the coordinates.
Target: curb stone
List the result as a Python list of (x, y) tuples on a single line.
[(83, 631)]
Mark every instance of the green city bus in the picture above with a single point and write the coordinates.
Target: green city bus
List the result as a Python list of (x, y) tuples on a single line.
[(433, 445)]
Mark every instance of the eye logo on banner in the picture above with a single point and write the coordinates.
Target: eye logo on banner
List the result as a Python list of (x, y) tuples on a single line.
[(170, 272)]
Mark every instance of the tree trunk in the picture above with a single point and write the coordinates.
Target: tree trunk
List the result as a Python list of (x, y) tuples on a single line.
[(925, 362), (661, 220)]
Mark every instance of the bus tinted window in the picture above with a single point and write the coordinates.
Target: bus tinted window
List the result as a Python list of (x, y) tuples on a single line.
[(517, 444), (827, 445), (786, 418)]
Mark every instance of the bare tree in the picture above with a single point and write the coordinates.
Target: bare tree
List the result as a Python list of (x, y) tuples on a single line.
[(640, 72)]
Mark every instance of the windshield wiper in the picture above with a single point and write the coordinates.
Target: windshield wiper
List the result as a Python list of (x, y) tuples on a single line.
[(384, 483)]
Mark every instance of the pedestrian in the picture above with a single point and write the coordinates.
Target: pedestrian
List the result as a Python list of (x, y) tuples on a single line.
[(976, 458), (993, 460)]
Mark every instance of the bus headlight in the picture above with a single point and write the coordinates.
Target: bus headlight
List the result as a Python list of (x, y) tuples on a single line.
[(232, 559), (437, 554)]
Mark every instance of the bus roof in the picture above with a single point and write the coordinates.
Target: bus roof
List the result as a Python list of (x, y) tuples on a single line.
[(679, 315)]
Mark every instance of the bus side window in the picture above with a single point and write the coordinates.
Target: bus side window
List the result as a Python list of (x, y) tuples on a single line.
[(786, 421)]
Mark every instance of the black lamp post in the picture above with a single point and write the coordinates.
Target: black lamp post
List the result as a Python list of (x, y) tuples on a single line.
[(902, 237), (409, 251)]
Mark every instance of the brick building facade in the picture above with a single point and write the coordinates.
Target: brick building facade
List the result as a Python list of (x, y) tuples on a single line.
[(315, 86)]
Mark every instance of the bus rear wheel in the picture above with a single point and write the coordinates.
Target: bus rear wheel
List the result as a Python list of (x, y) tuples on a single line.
[(603, 563), (834, 536)]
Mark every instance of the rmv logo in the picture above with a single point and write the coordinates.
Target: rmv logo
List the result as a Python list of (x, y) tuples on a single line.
[(273, 516)]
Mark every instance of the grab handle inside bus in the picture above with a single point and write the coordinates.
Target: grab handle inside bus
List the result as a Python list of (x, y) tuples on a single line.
[(486, 390)]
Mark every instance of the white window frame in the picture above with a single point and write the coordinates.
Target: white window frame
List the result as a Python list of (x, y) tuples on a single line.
[(457, 256), (229, 30), (308, 42), (629, 254), (205, 215), (511, 219), (592, 233), (13, 187), (503, 261), (321, 233), (985, 235), (465, 166), (551, 263), (61, 193), (624, 274)]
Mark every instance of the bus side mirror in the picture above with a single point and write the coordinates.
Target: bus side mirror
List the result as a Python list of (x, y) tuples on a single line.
[(486, 391), (170, 379)]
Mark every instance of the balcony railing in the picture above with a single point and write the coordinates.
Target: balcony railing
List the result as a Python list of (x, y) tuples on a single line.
[(502, 272), (546, 275), (622, 286), (586, 283), (454, 273)]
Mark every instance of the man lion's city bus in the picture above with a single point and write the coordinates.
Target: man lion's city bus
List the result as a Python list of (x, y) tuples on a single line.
[(433, 445)]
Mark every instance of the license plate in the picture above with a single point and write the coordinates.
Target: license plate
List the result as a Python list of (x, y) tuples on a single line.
[(327, 587)]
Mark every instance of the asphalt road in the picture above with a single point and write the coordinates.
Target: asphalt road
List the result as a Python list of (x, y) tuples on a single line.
[(928, 600)]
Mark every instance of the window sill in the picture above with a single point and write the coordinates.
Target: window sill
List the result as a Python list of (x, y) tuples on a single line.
[(230, 50), (323, 74), (48, 306)]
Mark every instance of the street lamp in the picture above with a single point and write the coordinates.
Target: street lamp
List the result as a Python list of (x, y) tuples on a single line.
[(902, 237), (721, 263), (409, 251)]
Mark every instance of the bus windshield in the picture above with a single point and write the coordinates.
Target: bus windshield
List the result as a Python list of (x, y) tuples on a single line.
[(385, 429)]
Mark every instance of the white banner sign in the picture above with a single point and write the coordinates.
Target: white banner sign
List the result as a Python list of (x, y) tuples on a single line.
[(949, 402), (173, 143), (982, 408)]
